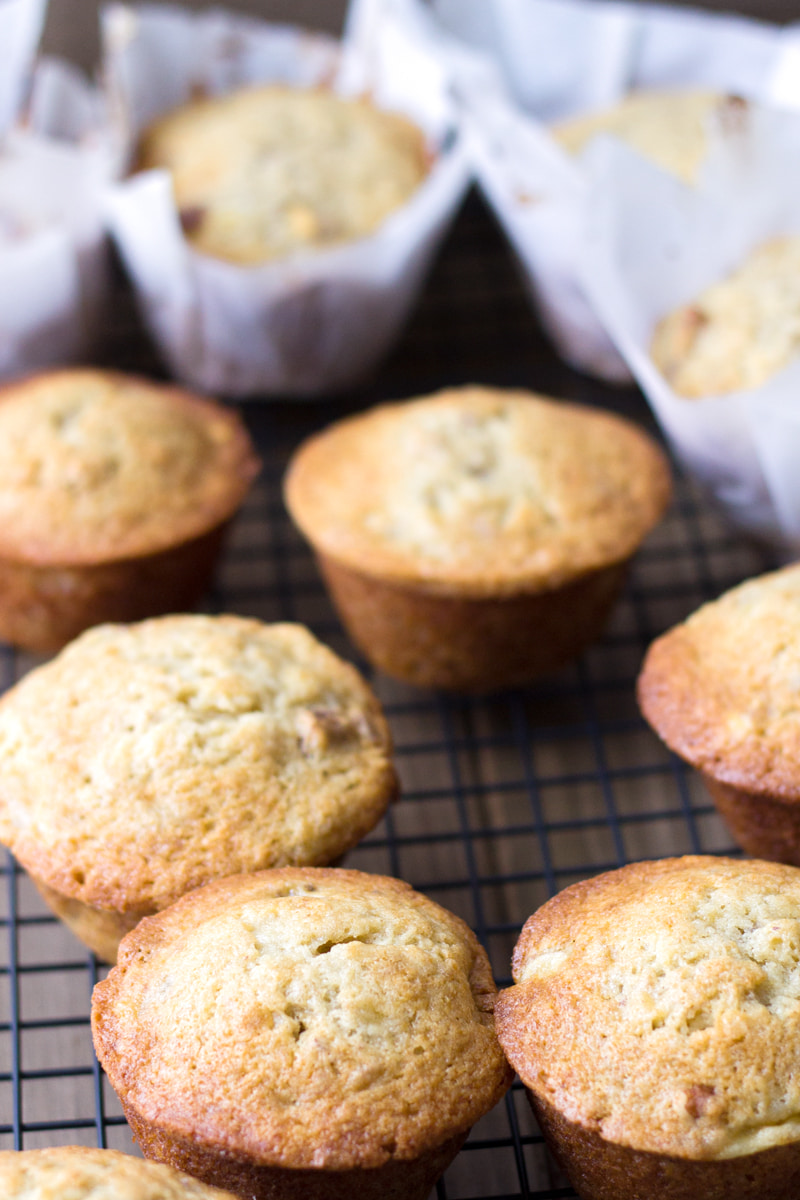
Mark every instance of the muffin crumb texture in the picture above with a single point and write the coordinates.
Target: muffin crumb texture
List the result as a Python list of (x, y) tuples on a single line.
[(97, 467), (659, 1006), (478, 491), (84, 1173), (147, 759), (303, 1018), (264, 172), (739, 332)]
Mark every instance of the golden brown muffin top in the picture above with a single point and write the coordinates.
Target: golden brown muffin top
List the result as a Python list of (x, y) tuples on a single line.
[(478, 491), (668, 127), (148, 759), (82, 1173), (266, 171), (659, 1006), (739, 332), (98, 466), (721, 689), (303, 1018)]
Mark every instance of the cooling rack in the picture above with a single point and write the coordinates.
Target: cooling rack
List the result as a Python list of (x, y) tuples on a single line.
[(505, 800)]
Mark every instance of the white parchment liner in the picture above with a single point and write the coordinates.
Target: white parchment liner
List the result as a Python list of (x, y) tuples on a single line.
[(556, 58), (317, 321), (20, 29), (654, 244), (55, 165)]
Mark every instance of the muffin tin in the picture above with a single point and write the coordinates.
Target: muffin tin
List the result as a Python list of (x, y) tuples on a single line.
[(504, 801)]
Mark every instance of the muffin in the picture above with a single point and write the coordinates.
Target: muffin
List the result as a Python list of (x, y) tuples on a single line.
[(302, 1032), (115, 493), (739, 332), (264, 172), (670, 128), (80, 1173), (721, 690), (146, 760), (655, 1021), (476, 538)]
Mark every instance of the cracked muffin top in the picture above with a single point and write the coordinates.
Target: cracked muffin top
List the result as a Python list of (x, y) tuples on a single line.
[(303, 1018), (659, 1006), (668, 127), (147, 759), (478, 490), (721, 689), (263, 172), (97, 466), (83, 1173), (739, 332)]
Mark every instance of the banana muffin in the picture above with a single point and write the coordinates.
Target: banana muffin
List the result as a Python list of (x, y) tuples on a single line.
[(302, 1032), (81, 1173), (115, 493), (264, 172), (476, 538), (655, 1021), (739, 332), (146, 760), (721, 690), (668, 127)]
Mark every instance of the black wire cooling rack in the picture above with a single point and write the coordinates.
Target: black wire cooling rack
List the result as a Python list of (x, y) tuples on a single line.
[(505, 800)]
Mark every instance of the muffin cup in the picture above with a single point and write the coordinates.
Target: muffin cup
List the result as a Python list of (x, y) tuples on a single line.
[(348, 1051), (654, 245), (472, 644), (446, 569), (653, 1020), (315, 321), (763, 825), (44, 607), (218, 743), (20, 28), (555, 59), (412, 1180), (65, 570), (602, 1170), (56, 164)]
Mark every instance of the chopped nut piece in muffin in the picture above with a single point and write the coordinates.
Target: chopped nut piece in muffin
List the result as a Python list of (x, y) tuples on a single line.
[(477, 537), (655, 1021), (148, 759), (115, 493), (739, 332), (266, 171), (302, 1033), (82, 1173), (721, 690)]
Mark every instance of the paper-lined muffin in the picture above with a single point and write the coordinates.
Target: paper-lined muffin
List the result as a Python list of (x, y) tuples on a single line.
[(302, 1033), (739, 332), (263, 172), (146, 760), (83, 1173), (476, 538), (655, 1021), (115, 493), (721, 690), (668, 127)]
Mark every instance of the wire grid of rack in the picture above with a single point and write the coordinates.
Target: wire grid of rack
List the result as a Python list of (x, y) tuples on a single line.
[(505, 800)]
